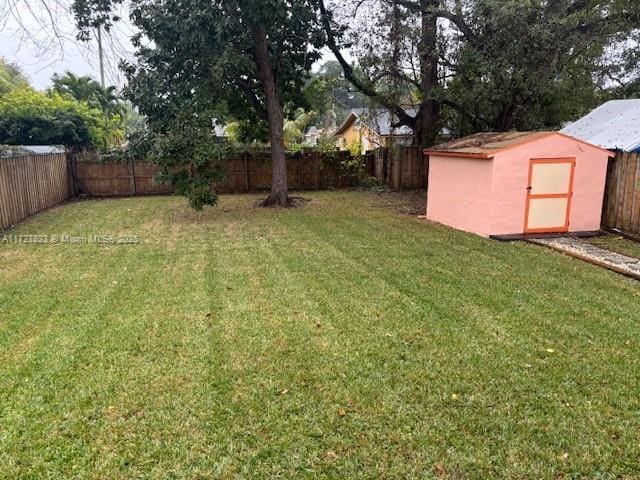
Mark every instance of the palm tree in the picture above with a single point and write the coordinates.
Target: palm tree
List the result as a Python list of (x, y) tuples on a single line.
[(86, 89), (82, 88), (109, 101)]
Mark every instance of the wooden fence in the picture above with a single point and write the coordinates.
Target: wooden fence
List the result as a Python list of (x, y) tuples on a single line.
[(247, 172), (31, 184), (622, 196), (400, 168)]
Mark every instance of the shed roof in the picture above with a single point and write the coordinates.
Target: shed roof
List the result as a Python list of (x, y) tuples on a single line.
[(486, 145), (614, 125)]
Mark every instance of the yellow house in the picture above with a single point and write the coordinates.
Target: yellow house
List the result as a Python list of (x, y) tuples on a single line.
[(365, 130)]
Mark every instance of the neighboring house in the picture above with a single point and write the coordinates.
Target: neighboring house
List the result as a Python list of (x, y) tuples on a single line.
[(313, 135), (614, 125), (368, 129)]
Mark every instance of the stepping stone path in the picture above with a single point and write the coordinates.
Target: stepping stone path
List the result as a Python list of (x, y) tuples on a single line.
[(575, 247)]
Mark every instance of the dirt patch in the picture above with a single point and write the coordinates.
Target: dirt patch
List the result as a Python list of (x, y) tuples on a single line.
[(408, 202), (295, 202), (14, 262)]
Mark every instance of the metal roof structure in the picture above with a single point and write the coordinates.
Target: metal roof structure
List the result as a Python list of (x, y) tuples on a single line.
[(615, 125)]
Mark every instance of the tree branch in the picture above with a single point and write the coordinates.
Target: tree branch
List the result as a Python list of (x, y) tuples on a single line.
[(476, 120), (253, 99), (364, 87), (455, 18)]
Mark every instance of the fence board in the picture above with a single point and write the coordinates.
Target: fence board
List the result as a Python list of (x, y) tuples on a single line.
[(30, 184), (622, 198), (248, 172)]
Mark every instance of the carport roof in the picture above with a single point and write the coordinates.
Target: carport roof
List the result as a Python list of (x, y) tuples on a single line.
[(614, 125)]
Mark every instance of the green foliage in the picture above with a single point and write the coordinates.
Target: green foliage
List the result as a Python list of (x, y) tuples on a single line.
[(202, 59), (474, 65), (190, 157), (372, 183), (327, 145), (11, 77), (199, 60), (294, 129), (536, 74), (354, 164), (29, 117), (85, 89), (330, 95)]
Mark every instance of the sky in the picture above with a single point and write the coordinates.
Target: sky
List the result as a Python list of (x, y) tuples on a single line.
[(39, 36), (41, 41)]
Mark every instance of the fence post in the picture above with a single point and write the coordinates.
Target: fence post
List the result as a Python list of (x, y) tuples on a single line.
[(395, 168), (132, 176), (247, 177), (379, 164), (73, 174)]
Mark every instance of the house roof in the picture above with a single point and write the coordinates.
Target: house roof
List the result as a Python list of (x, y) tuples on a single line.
[(487, 144), (615, 125), (378, 120)]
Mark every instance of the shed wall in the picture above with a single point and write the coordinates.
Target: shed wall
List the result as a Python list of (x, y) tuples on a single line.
[(459, 193), (511, 174)]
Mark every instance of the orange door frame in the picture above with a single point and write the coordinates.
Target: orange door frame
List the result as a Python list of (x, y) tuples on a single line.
[(568, 195)]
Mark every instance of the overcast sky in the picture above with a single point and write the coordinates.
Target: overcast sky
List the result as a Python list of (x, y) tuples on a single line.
[(42, 41), (43, 44)]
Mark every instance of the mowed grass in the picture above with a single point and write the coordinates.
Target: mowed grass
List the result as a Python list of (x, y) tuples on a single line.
[(618, 244), (341, 340)]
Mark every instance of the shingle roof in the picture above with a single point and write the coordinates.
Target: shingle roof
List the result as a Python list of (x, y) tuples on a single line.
[(614, 125)]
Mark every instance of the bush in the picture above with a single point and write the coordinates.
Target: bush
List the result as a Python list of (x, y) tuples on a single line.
[(28, 117), (190, 159)]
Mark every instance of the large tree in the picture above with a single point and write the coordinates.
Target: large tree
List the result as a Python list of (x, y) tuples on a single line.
[(488, 64), (206, 58)]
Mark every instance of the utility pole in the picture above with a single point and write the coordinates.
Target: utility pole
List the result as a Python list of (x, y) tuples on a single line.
[(101, 55)]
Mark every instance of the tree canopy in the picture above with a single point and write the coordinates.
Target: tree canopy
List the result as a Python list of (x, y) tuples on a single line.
[(484, 64), (28, 117), (86, 89), (202, 59)]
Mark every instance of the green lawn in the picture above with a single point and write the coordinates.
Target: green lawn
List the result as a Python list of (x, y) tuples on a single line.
[(339, 340), (616, 243)]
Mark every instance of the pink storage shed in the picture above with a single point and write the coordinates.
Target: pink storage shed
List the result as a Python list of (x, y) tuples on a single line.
[(501, 184)]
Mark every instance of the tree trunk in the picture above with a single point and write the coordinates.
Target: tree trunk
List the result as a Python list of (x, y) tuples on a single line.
[(428, 117), (279, 196)]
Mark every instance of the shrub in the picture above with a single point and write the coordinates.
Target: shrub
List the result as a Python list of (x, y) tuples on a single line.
[(28, 117)]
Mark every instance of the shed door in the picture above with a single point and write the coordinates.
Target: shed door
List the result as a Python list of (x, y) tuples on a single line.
[(549, 195)]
